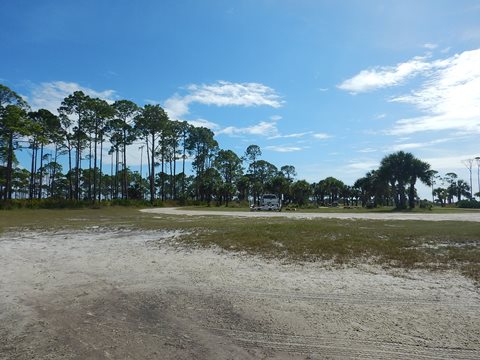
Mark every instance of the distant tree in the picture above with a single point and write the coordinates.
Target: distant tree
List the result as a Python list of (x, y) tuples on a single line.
[(45, 129), (150, 122), (185, 129), (13, 124), (99, 113), (469, 165), (252, 153), (288, 171), (124, 114), (301, 192), (203, 147), (265, 173), (418, 170), (229, 166), (76, 105)]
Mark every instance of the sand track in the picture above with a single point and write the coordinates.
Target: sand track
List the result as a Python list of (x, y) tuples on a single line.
[(464, 216), (110, 294)]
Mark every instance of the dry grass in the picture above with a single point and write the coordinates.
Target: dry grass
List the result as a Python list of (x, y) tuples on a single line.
[(403, 244)]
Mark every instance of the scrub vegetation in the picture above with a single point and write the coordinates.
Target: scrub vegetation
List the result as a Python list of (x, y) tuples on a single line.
[(337, 242)]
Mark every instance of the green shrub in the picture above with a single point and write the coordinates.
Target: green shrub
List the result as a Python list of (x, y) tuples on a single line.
[(468, 204), (425, 204)]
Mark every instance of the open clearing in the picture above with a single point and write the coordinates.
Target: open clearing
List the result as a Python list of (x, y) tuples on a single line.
[(101, 288)]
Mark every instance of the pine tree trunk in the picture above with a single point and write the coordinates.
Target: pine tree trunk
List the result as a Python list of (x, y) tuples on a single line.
[(100, 170), (40, 182), (95, 165), (32, 172), (152, 172), (125, 180), (8, 182)]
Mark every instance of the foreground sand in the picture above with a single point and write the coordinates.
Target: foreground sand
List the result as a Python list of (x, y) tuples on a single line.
[(99, 294)]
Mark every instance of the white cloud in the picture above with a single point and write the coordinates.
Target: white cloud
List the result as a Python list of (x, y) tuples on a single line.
[(204, 123), (367, 150), (386, 76), (283, 149), (222, 93), (364, 165), (290, 136), (321, 136), (449, 163), (449, 98), (275, 117), (263, 128), (49, 95), (430, 46), (409, 146)]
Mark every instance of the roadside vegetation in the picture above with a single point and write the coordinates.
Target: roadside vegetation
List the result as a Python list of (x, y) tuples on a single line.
[(407, 245)]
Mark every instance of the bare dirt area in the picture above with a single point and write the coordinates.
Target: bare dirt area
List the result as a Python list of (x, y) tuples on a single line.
[(464, 216), (128, 294)]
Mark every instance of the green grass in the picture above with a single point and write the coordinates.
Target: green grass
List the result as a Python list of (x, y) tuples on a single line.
[(394, 244)]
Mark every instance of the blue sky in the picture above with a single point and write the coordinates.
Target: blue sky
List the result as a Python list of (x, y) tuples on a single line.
[(327, 86)]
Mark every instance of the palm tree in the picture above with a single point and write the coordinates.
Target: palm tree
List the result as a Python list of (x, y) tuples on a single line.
[(401, 169), (419, 170)]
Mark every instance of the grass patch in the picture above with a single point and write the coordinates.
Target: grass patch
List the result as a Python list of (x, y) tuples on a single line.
[(397, 244)]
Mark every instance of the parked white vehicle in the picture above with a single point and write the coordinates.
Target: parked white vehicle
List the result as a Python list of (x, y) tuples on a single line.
[(268, 202)]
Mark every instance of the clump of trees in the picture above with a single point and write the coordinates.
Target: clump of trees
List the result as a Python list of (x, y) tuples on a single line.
[(393, 183), (67, 152)]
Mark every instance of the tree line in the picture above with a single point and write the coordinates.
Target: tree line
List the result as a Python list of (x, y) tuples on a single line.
[(86, 129)]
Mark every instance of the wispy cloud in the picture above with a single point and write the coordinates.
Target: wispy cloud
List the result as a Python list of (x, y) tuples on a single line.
[(449, 163), (204, 123), (363, 165), (290, 136), (322, 136), (283, 149), (222, 93), (263, 128), (367, 150), (449, 98), (430, 46), (386, 76), (49, 95), (417, 145)]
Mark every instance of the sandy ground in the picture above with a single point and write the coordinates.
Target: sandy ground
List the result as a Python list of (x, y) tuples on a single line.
[(124, 294), (464, 216)]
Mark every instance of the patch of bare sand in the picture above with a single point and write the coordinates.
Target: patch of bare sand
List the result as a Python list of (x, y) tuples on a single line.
[(101, 294), (464, 216)]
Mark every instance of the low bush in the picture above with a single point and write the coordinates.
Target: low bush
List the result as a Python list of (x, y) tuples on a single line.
[(425, 204), (468, 204)]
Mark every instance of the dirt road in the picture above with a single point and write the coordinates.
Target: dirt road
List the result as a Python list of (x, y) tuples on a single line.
[(465, 216), (123, 294)]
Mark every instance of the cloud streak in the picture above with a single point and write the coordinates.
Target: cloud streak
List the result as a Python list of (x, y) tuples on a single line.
[(449, 98), (263, 128), (283, 149), (222, 93), (386, 76), (49, 95)]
